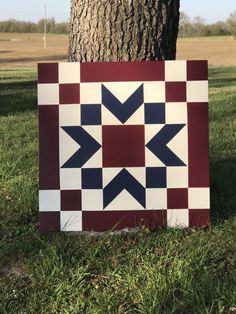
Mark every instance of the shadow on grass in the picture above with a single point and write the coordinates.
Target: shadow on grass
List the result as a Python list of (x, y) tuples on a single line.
[(219, 77), (223, 108), (223, 189), (18, 97)]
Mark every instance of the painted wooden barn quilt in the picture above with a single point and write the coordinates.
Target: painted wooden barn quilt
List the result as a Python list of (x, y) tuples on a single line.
[(123, 144)]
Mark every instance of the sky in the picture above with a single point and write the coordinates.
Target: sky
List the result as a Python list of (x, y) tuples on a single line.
[(33, 10)]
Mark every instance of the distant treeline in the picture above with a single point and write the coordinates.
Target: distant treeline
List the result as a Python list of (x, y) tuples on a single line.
[(198, 28), (187, 28), (14, 26)]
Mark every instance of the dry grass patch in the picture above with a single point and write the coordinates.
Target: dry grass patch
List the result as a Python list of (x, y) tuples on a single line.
[(25, 50), (217, 50)]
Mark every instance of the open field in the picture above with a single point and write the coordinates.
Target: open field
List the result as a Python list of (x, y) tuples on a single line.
[(167, 271), (26, 50), (219, 51)]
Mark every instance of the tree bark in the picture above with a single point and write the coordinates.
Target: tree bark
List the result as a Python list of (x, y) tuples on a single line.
[(123, 30)]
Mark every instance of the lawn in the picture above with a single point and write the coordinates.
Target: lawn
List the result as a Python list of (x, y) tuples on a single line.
[(166, 271)]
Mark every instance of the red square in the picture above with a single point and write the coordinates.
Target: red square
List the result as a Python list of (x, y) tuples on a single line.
[(122, 71), (47, 73), (177, 198), (69, 93), (49, 221), (198, 147), (49, 147), (199, 217), (197, 70), (175, 91), (123, 146), (120, 219), (71, 200)]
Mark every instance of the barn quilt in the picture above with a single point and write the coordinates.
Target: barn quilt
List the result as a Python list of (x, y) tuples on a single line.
[(123, 144)]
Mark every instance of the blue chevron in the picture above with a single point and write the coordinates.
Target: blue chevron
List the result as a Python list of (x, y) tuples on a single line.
[(124, 180), (122, 111), (88, 146), (157, 145)]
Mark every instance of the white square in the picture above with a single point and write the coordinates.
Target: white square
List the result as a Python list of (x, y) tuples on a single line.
[(69, 72), (156, 199), (139, 173), (49, 200), (95, 161), (122, 90), (151, 130), (124, 201), (197, 91), (95, 131), (179, 145), (92, 199), (69, 115), (68, 147), (175, 71), (71, 220), (108, 117), (178, 218), (176, 112), (152, 160), (177, 177), (90, 93), (70, 179), (108, 174), (48, 94), (137, 117), (199, 198), (154, 92)]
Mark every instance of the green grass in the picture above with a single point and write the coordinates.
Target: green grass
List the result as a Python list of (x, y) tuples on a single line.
[(167, 271)]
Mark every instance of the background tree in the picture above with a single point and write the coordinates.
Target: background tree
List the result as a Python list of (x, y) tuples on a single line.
[(218, 29), (102, 30), (184, 22), (199, 26), (231, 23), (13, 26)]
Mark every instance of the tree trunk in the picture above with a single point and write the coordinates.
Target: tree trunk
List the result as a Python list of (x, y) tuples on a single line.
[(123, 30)]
